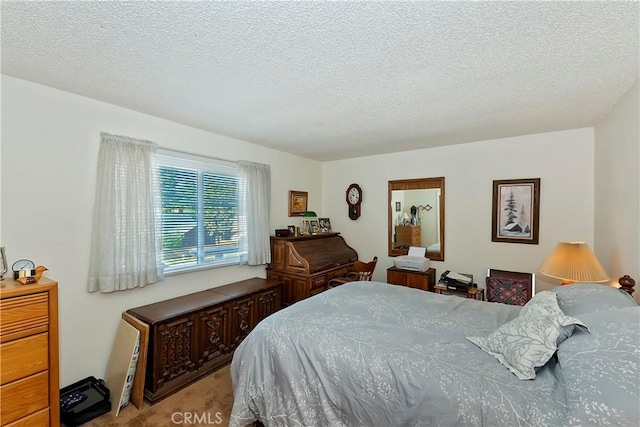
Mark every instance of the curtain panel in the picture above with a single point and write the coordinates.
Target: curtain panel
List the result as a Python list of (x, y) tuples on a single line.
[(126, 221), (255, 206)]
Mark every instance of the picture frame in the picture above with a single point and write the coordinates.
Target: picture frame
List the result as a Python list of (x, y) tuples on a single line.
[(516, 211), (292, 229), (313, 225), (306, 227), (324, 225), (398, 207), (298, 202)]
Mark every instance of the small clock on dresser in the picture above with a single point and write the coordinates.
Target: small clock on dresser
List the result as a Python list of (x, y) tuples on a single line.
[(354, 199)]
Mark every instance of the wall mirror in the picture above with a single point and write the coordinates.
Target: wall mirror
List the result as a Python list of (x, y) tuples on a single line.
[(416, 216)]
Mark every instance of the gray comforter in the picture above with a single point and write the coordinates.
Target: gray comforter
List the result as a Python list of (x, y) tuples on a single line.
[(374, 354)]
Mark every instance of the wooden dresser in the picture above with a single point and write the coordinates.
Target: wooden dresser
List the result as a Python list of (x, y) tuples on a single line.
[(29, 379), (408, 235), (305, 264), (193, 335)]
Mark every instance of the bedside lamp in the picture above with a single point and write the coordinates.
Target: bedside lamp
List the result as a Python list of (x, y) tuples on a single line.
[(573, 262)]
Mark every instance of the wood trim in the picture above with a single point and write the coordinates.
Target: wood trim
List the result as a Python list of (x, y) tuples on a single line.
[(54, 359)]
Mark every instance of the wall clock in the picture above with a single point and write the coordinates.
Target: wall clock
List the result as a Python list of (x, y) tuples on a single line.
[(354, 199)]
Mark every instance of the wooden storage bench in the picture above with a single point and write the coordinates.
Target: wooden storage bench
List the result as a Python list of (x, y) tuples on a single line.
[(193, 335)]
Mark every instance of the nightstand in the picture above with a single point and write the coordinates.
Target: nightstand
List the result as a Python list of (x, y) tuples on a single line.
[(472, 291), (424, 280)]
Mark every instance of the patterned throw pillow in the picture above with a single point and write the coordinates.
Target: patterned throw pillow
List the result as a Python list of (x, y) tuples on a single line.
[(508, 291), (528, 341), (545, 303)]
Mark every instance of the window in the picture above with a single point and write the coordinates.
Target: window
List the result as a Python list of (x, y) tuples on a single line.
[(201, 221)]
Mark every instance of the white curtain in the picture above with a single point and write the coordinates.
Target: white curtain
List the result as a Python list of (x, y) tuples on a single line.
[(255, 206), (126, 218)]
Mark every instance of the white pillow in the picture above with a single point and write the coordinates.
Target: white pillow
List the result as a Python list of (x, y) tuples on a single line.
[(528, 341), (544, 303)]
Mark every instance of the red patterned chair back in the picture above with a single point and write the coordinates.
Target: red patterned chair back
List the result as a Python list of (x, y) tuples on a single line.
[(510, 287)]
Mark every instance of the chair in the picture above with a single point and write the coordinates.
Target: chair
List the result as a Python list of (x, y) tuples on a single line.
[(362, 271), (510, 287)]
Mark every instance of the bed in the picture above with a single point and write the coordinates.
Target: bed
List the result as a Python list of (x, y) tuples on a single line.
[(374, 354), (433, 248)]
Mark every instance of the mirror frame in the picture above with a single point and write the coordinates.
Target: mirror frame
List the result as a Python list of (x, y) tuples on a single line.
[(416, 184)]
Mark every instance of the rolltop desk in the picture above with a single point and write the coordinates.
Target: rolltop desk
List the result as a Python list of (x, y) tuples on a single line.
[(305, 264)]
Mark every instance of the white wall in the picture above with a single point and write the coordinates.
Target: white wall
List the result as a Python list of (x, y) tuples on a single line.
[(617, 188), (50, 144), (562, 160)]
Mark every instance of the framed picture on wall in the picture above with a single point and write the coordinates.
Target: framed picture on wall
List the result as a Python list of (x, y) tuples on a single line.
[(516, 211), (298, 201)]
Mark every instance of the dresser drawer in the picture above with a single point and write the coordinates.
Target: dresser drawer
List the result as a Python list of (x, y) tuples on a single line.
[(39, 419), (24, 357), (24, 315), (24, 397)]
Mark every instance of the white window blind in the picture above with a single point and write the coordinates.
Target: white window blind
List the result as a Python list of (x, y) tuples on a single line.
[(201, 221)]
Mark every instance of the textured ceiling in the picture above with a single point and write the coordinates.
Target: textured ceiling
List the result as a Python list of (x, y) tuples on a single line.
[(332, 80)]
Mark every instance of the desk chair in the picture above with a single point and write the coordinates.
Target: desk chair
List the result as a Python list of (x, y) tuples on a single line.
[(362, 271)]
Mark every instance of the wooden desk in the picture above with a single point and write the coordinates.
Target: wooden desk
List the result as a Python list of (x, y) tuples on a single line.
[(306, 264), (471, 292)]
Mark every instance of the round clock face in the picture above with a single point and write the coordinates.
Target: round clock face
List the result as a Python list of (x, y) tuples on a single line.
[(354, 199), (23, 264), (354, 196)]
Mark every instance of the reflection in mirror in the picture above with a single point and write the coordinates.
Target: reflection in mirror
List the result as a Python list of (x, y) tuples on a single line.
[(416, 216)]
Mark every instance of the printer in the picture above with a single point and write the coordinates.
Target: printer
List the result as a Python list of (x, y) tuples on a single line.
[(414, 261)]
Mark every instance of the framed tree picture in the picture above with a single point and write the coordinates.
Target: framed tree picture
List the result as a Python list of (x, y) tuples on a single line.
[(516, 211)]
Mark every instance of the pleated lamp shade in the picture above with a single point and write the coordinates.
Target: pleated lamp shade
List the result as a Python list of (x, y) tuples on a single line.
[(573, 262)]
